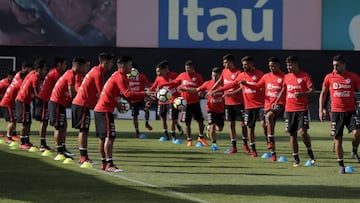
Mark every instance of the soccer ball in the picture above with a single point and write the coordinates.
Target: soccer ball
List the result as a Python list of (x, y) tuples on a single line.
[(179, 103), (123, 105), (163, 95), (133, 74)]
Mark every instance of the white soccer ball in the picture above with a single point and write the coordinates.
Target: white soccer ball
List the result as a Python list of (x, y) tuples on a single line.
[(163, 95), (179, 103), (133, 74), (123, 105)]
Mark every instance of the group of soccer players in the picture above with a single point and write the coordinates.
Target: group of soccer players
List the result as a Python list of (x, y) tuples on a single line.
[(232, 94)]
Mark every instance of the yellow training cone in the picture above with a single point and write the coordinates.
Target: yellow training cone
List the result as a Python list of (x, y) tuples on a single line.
[(33, 149), (46, 153), (68, 161), (86, 165), (2, 141), (59, 157), (13, 144)]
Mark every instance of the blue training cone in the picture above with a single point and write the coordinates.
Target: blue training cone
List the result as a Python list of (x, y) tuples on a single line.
[(227, 150), (282, 159), (163, 139), (177, 141), (309, 163), (349, 169), (199, 144), (266, 155), (143, 136)]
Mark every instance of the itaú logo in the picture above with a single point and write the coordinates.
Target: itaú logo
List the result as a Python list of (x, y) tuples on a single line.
[(222, 21)]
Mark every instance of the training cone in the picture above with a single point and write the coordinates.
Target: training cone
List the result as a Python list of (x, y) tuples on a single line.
[(177, 141), (282, 159), (227, 150), (163, 139), (59, 157), (68, 161), (13, 143), (199, 144), (33, 149), (349, 169), (266, 155), (46, 153), (309, 163), (2, 141), (86, 165), (143, 136)]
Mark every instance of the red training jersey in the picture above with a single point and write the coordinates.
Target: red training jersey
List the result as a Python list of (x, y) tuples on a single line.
[(215, 103), (301, 82), (116, 87), (9, 98), (48, 84), (175, 91), (160, 81), (27, 89), (253, 95), (90, 88), (60, 93), (186, 80), (138, 84), (342, 88), (228, 76), (4, 84)]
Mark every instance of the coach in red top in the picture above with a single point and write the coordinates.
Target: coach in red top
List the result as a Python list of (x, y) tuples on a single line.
[(342, 85), (298, 86)]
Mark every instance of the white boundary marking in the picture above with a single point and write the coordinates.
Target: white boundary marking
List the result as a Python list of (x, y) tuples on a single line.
[(179, 194)]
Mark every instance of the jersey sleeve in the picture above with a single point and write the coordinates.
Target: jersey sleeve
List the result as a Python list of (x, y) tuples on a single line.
[(326, 83), (309, 82), (124, 89)]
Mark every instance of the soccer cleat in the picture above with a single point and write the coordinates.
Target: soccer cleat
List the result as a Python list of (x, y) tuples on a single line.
[(313, 161), (214, 147), (26, 146), (68, 154), (233, 150), (84, 159), (355, 156), (203, 141), (137, 135), (112, 168), (103, 166), (15, 138), (8, 140), (189, 144), (253, 154), (246, 148), (273, 158), (342, 170), (296, 163), (270, 145), (43, 148), (148, 126)]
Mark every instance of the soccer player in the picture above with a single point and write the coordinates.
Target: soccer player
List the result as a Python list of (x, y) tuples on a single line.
[(115, 88), (190, 78), (214, 106), (298, 86), (4, 83), (139, 84), (8, 101), (42, 99), (234, 102), (29, 89), (342, 85), (272, 83), (61, 96), (86, 98)]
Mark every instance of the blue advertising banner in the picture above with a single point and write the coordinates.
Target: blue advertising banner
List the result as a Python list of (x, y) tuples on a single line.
[(341, 25), (245, 24)]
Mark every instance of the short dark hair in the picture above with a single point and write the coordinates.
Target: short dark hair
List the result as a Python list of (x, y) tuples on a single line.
[(40, 63), (59, 59), (26, 64), (189, 63), (247, 58), (124, 60), (216, 70), (292, 59), (161, 66), (339, 58), (229, 57), (164, 62), (105, 57), (274, 59), (11, 73), (79, 60)]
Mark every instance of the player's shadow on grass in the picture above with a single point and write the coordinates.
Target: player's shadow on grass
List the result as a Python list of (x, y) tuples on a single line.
[(31, 178), (301, 191)]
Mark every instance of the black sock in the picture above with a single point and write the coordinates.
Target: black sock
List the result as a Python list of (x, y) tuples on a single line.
[(233, 142), (253, 148), (271, 139), (341, 162), (273, 153), (355, 150), (23, 139), (43, 142), (103, 160), (109, 161), (296, 158), (83, 152), (201, 136), (266, 138), (245, 140), (310, 153), (60, 149), (172, 134)]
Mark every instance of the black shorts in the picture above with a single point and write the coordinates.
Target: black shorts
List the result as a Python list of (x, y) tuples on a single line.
[(341, 119), (193, 110), (105, 125), (296, 120), (9, 114), (215, 119), (277, 111), (57, 115), (163, 110), (80, 117), (234, 112), (41, 111), (23, 113), (252, 115), (135, 107), (173, 112)]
